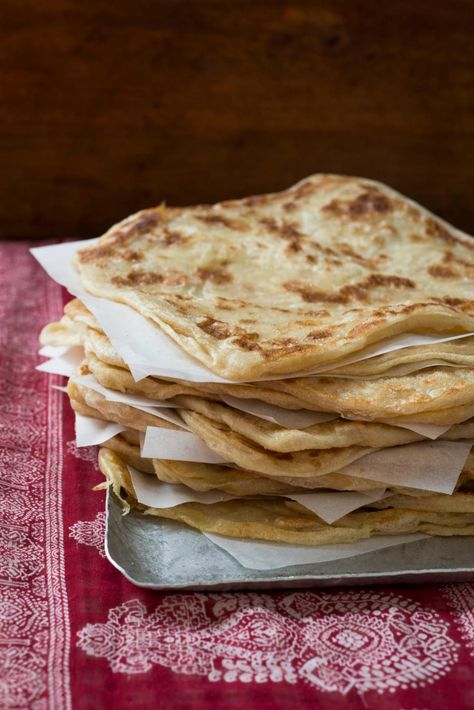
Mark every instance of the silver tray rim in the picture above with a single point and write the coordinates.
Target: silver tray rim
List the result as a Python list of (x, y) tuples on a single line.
[(281, 580)]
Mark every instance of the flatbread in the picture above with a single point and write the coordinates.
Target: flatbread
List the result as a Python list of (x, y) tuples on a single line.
[(354, 399), (325, 435), (89, 403), (461, 502), (78, 325), (455, 353), (63, 332), (235, 481), (437, 395), (286, 521), (338, 433), (283, 282), (419, 393), (129, 453)]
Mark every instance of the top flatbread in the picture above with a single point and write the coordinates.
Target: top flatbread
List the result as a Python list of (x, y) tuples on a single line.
[(279, 283)]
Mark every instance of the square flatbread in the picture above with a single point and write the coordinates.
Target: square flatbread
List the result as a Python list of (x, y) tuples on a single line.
[(284, 282)]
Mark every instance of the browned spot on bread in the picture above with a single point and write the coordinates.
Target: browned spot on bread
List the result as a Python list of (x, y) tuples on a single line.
[(180, 296), (467, 266), (282, 457), (256, 200), (248, 320), (131, 255), (227, 304), (290, 231), (281, 342), (247, 341), (150, 278), (442, 272), (370, 202), (138, 278), (376, 280), (413, 212), (312, 295), (306, 189), (437, 230), (270, 223), (357, 291), (348, 251), (217, 276), (319, 334), (311, 259), (321, 313), (216, 328), (290, 206), (220, 219), (173, 237), (174, 278), (145, 222), (285, 230), (274, 353), (450, 301), (245, 344)]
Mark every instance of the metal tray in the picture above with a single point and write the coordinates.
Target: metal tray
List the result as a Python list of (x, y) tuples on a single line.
[(161, 554)]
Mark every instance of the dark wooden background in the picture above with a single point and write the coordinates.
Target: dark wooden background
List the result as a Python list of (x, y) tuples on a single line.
[(107, 106)]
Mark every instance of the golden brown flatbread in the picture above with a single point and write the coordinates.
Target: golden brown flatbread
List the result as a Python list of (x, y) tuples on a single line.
[(279, 283)]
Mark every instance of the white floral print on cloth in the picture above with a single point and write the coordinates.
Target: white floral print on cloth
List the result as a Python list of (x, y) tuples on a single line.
[(460, 597), (90, 532), (369, 641), (34, 624)]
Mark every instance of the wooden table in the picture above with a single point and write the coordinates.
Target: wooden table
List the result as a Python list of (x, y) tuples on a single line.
[(106, 107)]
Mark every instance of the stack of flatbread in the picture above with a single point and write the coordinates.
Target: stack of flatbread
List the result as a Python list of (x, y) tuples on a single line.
[(336, 322)]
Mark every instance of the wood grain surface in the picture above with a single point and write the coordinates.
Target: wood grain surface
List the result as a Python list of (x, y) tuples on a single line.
[(107, 107)]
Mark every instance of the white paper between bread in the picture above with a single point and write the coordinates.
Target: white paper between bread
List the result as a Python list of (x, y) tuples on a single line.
[(332, 505), (161, 443), (267, 555), (91, 432), (427, 465), (431, 431), (162, 409), (288, 418), (155, 494), (328, 505), (64, 364), (431, 465), (292, 419), (147, 351), (54, 350)]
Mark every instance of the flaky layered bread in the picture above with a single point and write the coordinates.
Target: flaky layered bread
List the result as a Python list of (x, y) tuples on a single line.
[(280, 520), (89, 403), (235, 481), (243, 482), (438, 395), (325, 435), (441, 395), (78, 326), (283, 282)]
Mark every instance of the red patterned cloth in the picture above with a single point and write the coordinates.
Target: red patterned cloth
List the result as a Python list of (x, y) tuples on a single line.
[(75, 634)]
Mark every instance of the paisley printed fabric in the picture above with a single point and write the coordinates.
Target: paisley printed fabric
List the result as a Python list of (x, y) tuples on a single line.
[(74, 633)]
